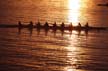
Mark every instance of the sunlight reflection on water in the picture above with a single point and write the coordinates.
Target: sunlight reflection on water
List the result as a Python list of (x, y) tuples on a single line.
[(70, 51), (74, 12)]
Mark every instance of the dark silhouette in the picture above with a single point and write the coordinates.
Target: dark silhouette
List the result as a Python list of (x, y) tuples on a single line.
[(86, 28), (46, 26), (87, 25), (19, 23), (30, 25), (19, 27), (79, 25), (38, 31), (54, 26), (62, 25), (106, 4), (38, 25), (70, 27)]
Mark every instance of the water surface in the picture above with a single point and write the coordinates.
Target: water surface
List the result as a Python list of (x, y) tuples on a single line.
[(26, 50)]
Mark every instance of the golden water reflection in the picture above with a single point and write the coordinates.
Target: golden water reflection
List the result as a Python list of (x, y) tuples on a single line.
[(74, 11), (72, 54)]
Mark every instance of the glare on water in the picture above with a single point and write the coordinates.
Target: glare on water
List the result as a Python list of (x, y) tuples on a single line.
[(74, 12), (48, 50)]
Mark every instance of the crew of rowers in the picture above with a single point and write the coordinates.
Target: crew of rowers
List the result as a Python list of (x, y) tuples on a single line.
[(54, 26)]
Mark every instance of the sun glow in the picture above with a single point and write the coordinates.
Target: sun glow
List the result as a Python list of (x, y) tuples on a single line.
[(73, 14), (73, 53)]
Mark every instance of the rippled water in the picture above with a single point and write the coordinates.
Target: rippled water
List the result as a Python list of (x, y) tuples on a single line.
[(25, 50), (40, 52)]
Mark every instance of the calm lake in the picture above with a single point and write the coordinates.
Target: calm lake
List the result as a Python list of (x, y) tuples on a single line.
[(40, 50)]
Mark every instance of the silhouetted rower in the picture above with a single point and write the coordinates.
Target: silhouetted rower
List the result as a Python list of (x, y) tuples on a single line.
[(19, 23), (54, 25), (87, 25), (79, 25), (70, 26), (19, 27), (62, 25), (46, 26), (38, 25), (30, 25)]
